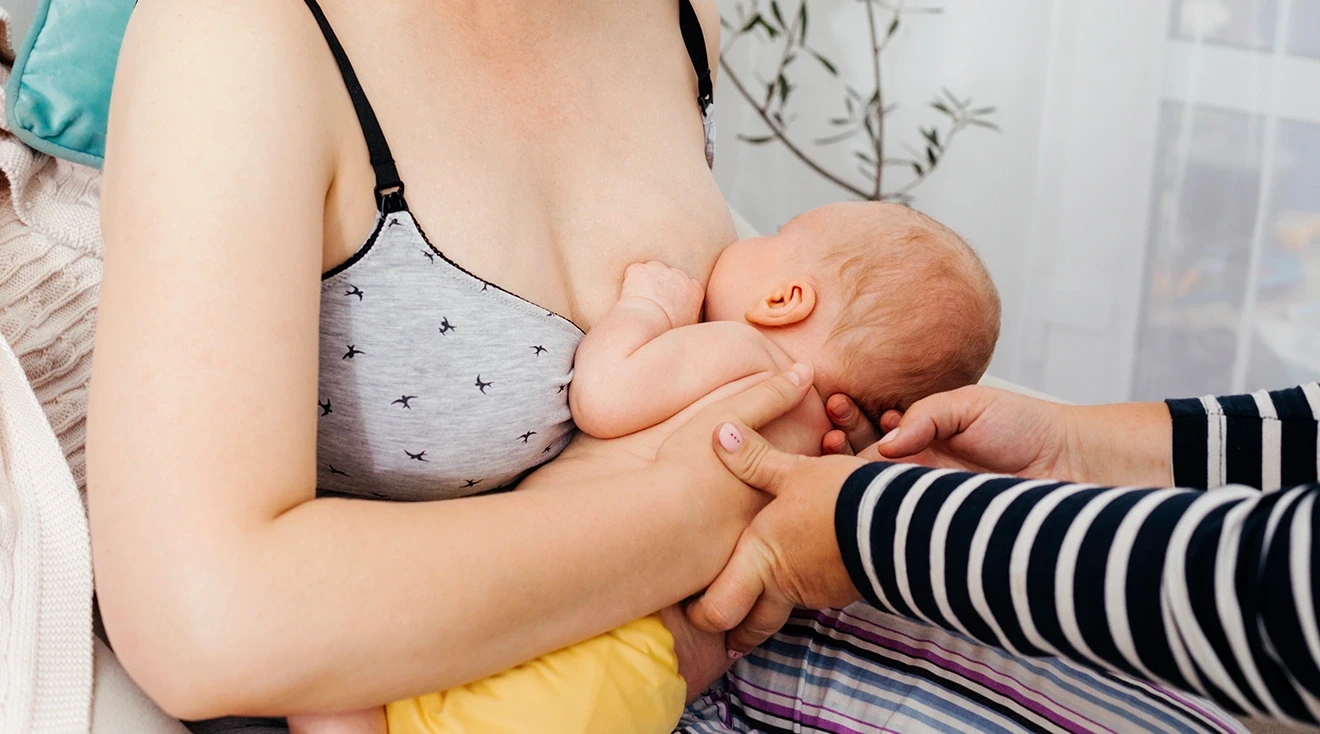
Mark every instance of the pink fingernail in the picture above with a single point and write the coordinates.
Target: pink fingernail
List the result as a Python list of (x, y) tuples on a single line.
[(734, 654), (730, 438), (889, 437)]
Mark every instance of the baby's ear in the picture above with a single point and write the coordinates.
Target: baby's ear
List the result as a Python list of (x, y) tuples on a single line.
[(784, 305)]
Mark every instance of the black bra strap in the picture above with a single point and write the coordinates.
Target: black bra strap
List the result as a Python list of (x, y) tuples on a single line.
[(387, 175), (696, 48)]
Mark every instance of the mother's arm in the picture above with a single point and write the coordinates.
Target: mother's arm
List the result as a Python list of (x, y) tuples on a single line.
[(225, 587)]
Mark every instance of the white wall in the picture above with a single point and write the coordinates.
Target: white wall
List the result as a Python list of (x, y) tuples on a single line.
[(20, 16)]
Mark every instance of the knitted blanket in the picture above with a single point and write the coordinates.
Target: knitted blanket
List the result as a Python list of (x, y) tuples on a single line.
[(50, 270)]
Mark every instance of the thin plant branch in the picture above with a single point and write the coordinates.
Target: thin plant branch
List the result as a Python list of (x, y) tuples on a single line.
[(879, 93), (863, 115), (783, 136)]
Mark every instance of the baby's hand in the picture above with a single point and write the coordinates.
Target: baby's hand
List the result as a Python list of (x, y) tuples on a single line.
[(678, 294)]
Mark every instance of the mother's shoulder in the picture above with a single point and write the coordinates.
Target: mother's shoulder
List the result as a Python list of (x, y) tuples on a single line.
[(237, 36)]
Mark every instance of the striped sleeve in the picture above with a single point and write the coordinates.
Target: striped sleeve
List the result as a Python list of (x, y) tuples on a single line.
[(1265, 440), (1210, 592)]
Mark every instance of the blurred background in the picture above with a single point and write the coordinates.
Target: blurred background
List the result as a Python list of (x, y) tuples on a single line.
[(1142, 179)]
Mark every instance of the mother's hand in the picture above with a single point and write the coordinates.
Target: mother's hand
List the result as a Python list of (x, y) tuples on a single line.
[(788, 557)]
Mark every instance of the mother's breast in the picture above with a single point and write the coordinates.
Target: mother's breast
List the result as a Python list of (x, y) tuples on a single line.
[(685, 224)]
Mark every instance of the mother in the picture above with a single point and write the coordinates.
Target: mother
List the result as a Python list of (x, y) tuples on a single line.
[(545, 146)]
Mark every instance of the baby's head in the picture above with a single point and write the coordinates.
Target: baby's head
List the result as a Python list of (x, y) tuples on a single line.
[(888, 304)]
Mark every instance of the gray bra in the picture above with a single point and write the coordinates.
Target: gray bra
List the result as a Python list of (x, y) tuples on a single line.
[(433, 382)]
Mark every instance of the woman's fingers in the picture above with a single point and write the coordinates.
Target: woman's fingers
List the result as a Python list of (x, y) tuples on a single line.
[(767, 617), (935, 418), (845, 414), (769, 399), (835, 443), (752, 459), (734, 592), (890, 420)]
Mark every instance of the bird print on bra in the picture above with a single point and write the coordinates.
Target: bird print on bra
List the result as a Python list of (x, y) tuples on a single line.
[(388, 403)]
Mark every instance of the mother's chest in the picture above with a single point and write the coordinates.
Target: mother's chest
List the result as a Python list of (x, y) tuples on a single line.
[(561, 236)]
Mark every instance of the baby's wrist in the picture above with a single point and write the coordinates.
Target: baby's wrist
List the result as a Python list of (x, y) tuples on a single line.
[(647, 308)]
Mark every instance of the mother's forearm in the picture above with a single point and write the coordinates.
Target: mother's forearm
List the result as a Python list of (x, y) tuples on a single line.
[(340, 604)]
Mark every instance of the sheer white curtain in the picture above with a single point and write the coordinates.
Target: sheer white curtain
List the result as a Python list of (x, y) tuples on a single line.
[(1151, 208)]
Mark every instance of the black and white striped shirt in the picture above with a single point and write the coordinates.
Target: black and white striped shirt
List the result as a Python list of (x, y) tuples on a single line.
[(1212, 592)]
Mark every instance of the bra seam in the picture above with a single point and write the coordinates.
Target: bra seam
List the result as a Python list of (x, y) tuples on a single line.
[(530, 308)]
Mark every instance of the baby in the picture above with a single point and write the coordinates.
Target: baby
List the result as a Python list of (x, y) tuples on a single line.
[(886, 303)]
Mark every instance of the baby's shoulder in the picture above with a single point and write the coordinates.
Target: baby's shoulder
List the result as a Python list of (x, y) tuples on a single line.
[(747, 344)]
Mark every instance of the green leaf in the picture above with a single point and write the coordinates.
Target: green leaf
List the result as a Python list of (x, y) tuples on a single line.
[(931, 157), (838, 137), (984, 124), (725, 24), (937, 104), (769, 29), (953, 99), (893, 28), (829, 66), (932, 135), (774, 9), (784, 89), (802, 23), (840, 120), (917, 167), (756, 140), (862, 155), (983, 111), (847, 101), (752, 22)]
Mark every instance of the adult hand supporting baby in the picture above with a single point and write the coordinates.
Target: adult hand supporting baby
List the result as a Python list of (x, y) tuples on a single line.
[(853, 431), (788, 557), (985, 430)]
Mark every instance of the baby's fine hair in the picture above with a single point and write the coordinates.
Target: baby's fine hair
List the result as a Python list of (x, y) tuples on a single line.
[(920, 312)]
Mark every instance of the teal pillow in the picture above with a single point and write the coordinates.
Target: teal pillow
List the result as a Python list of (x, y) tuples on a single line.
[(58, 98)]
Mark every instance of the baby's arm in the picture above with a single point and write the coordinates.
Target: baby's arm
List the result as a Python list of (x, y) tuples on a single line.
[(648, 358)]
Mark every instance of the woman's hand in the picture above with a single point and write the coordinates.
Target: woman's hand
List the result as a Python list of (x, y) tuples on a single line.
[(788, 557), (982, 429)]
